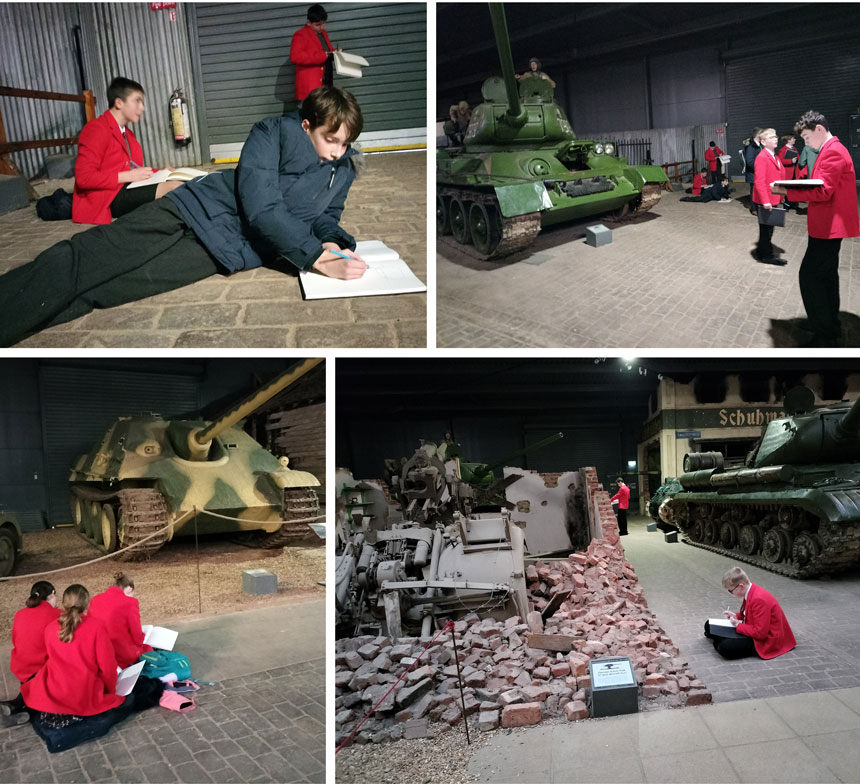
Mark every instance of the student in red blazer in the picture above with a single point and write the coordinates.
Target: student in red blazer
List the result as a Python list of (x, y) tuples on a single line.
[(831, 217), (119, 611), (623, 498), (760, 620), (109, 158), (79, 677), (767, 169), (313, 66), (715, 166), (28, 641)]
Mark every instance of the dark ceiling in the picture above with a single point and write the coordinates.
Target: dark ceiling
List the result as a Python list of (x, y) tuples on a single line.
[(562, 34), (405, 388)]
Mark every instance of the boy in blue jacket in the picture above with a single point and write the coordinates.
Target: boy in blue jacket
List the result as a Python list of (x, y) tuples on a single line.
[(282, 203)]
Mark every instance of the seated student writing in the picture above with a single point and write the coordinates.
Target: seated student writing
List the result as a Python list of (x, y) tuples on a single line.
[(119, 611), (282, 205), (110, 158)]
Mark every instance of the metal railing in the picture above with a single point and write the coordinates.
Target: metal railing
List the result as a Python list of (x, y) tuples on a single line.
[(7, 166)]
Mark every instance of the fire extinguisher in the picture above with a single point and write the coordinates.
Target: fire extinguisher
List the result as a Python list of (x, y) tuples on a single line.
[(179, 117)]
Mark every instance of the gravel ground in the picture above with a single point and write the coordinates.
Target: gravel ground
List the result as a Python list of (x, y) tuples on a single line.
[(167, 584), (442, 759)]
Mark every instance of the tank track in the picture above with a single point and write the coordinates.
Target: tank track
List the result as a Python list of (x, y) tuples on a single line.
[(839, 542), (301, 506), (518, 232), (142, 511)]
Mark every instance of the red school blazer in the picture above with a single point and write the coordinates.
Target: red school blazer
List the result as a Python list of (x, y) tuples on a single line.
[(767, 169), (308, 55), (833, 206), (28, 639), (101, 156), (120, 615), (79, 677), (765, 622)]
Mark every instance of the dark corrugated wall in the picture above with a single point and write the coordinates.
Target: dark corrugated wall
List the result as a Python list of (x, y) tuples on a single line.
[(759, 92), (247, 75)]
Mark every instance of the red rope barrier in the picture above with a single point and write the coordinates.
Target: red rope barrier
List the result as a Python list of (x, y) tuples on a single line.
[(449, 625)]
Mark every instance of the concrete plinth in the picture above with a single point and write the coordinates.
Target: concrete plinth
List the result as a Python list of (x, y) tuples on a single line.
[(598, 235), (13, 193), (258, 582)]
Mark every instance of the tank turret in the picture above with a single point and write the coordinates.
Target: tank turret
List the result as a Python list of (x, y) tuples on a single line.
[(151, 479), (794, 506), (521, 167)]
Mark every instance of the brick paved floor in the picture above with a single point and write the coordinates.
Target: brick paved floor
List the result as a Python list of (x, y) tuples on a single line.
[(267, 727), (683, 588), (260, 308), (680, 276)]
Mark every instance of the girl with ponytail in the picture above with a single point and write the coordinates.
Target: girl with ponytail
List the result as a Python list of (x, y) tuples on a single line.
[(119, 611)]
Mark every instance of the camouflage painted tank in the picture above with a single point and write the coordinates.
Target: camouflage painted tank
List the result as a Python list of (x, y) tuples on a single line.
[(11, 540), (154, 476), (794, 507), (521, 167)]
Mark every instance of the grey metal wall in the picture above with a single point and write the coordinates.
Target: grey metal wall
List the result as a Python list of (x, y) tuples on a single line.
[(246, 73), (118, 39), (757, 94), (80, 402)]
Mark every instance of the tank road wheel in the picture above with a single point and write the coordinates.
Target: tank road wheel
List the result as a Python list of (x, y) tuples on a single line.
[(443, 223), (96, 524), (710, 531), (484, 227), (696, 531), (776, 545), (806, 548), (749, 540), (92, 513), (729, 535), (458, 216), (78, 513), (108, 528)]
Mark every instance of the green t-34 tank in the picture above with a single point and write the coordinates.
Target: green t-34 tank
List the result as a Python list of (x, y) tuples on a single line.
[(521, 167), (150, 475), (794, 507)]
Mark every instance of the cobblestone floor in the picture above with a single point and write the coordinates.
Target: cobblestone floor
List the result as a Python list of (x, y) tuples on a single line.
[(680, 276), (260, 308), (268, 727), (683, 588)]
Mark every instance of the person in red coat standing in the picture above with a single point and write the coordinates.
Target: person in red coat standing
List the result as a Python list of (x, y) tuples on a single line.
[(28, 640), (767, 169), (110, 158), (311, 53), (788, 157), (760, 621), (715, 167), (119, 611), (623, 498), (831, 217)]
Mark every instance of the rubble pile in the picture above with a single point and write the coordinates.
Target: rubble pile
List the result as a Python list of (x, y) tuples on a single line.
[(597, 610)]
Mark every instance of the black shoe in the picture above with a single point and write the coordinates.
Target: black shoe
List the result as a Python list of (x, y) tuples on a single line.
[(755, 254), (15, 719), (775, 261)]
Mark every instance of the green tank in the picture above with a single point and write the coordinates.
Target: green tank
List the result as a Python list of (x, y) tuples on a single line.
[(794, 507), (521, 167), (151, 476), (658, 506)]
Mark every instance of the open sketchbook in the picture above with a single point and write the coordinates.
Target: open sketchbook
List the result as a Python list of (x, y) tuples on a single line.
[(127, 678), (159, 637), (798, 183), (185, 174), (386, 273), (722, 627), (346, 64)]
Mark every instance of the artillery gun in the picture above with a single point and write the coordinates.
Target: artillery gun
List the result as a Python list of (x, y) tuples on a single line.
[(521, 167), (794, 507), (149, 476)]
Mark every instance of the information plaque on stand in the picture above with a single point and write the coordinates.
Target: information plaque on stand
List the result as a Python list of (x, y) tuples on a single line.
[(614, 690)]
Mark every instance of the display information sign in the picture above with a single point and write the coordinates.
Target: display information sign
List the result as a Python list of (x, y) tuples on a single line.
[(612, 672), (614, 690)]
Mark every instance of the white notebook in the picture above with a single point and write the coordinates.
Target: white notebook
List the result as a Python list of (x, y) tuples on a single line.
[(159, 637), (346, 64), (185, 174), (386, 273), (127, 678), (798, 183)]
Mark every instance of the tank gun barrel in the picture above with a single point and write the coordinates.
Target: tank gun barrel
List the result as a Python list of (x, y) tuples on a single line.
[(516, 115), (199, 440), (483, 470), (850, 424)]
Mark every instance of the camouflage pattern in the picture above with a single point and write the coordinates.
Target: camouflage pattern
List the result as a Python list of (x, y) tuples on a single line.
[(148, 472)]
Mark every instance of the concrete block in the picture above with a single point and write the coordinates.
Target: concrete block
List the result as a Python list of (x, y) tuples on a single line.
[(13, 193), (59, 167), (671, 537), (652, 527), (259, 581), (598, 235)]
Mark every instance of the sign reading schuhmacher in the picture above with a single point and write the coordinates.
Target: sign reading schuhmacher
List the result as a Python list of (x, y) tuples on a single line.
[(725, 417)]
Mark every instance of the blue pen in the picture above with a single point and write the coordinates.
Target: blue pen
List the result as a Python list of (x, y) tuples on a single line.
[(343, 255)]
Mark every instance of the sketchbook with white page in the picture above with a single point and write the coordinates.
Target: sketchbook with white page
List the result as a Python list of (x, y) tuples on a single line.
[(798, 183), (159, 637), (185, 174), (386, 273), (127, 678), (346, 64)]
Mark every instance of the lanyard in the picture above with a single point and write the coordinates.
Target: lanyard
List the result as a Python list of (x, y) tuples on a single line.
[(131, 163)]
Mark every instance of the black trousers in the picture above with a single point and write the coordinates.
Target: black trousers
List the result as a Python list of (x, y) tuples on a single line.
[(819, 288), (715, 176), (731, 647), (622, 522), (764, 248), (146, 252)]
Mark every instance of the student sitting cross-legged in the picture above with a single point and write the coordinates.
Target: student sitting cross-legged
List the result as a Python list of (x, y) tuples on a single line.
[(282, 205), (119, 611)]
